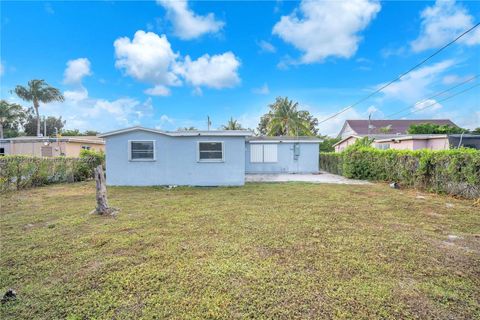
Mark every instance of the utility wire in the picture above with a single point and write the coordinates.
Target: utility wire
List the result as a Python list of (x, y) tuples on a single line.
[(447, 98), (401, 75), (434, 96)]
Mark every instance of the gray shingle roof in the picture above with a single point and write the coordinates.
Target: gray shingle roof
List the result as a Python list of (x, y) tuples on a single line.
[(396, 126)]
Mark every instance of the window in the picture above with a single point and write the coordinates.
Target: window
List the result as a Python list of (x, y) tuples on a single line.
[(86, 147), (263, 153), (2, 151), (210, 151), (142, 150), (383, 146)]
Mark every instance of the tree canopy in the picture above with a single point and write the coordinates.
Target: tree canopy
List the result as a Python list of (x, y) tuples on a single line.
[(30, 126), (431, 128), (284, 119), (12, 117)]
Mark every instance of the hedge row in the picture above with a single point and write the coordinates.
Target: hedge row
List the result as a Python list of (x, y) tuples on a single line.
[(449, 171), (20, 172)]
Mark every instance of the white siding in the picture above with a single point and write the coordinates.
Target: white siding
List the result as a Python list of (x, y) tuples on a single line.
[(270, 153), (256, 153)]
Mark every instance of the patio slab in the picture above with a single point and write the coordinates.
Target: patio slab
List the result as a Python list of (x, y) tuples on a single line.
[(321, 177)]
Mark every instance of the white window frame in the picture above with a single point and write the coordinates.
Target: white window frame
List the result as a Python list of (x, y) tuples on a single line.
[(210, 160), (263, 152), (141, 160)]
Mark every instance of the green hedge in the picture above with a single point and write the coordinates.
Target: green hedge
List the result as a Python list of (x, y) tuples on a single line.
[(448, 171), (20, 172)]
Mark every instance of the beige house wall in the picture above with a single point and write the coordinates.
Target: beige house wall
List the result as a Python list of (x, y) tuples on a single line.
[(411, 144), (344, 144), (30, 148), (72, 149)]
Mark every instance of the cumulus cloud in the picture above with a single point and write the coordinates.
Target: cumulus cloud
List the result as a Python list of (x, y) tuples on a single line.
[(147, 57), (217, 71), (321, 29), (76, 70), (413, 87), (443, 22), (261, 90), (150, 58), (333, 126), (186, 23)]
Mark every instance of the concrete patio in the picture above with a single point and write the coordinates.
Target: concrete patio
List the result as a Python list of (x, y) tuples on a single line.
[(321, 177)]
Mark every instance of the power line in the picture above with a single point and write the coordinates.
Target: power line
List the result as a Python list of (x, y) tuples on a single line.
[(447, 98), (400, 76), (434, 96)]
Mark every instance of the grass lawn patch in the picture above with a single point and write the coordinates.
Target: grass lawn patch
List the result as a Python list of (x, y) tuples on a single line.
[(277, 251)]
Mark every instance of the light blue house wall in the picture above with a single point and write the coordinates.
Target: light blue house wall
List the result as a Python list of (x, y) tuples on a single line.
[(176, 161), (307, 161)]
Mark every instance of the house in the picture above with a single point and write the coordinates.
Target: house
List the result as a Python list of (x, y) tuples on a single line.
[(50, 147), (378, 129), (140, 156), (429, 141)]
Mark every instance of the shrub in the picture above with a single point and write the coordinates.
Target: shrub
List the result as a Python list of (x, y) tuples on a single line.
[(20, 172), (454, 171)]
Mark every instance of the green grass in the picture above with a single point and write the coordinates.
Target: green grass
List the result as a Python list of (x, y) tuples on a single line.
[(277, 251)]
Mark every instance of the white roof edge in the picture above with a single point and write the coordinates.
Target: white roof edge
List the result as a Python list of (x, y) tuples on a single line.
[(236, 133), (344, 139)]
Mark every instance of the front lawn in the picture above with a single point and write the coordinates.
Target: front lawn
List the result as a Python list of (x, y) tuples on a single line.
[(277, 251)]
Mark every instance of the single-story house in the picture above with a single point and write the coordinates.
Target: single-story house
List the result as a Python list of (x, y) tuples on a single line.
[(375, 127), (50, 147), (429, 141), (379, 130), (140, 156)]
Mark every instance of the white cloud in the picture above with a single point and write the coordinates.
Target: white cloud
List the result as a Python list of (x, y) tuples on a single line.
[(443, 22), (186, 23), (80, 93), (217, 71), (150, 58), (333, 126), (76, 70), (326, 28), (158, 90), (266, 46), (415, 85), (453, 78), (426, 106), (261, 90)]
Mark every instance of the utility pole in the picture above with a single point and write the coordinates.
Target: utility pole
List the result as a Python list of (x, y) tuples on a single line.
[(369, 124), (44, 126), (209, 123)]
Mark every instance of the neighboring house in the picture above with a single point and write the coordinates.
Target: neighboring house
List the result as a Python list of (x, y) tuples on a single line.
[(50, 147), (142, 157), (366, 127), (429, 141), (378, 130)]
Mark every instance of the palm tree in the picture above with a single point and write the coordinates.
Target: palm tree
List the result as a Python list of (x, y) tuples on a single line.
[(232, 124), (38, 91), (286, 119), (11, 116)]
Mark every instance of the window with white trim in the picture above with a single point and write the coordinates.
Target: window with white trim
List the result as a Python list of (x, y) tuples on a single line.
[(260, 153), (209, 151), (142, 150)]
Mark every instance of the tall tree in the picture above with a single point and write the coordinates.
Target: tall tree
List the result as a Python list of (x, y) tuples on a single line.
[(327, 144), (38, 91), (232, 124), (284, 119), (12, 116), (432, 128), (52, 123)]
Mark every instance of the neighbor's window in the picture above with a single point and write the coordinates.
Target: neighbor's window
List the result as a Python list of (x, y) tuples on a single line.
[(142, 150), (210, 151)]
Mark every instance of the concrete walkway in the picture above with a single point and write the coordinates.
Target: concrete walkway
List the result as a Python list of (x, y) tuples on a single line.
[(322, 177)]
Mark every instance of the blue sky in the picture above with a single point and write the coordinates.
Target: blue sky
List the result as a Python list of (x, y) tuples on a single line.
[(170, 64)]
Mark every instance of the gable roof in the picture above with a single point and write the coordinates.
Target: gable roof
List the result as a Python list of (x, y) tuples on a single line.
[(190, 133), (360, 127)]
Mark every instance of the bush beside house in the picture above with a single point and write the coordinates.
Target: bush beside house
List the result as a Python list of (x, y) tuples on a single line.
[(21, 172), (454, 172)]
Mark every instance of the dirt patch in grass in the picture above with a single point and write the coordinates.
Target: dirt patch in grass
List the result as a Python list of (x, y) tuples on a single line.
[(276, 251)]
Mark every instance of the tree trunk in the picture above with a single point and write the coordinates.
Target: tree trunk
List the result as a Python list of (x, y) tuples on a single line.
[(101, 194), (35, 106)]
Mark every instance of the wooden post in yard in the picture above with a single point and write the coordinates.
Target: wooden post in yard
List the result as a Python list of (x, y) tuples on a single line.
[(101, 194)]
